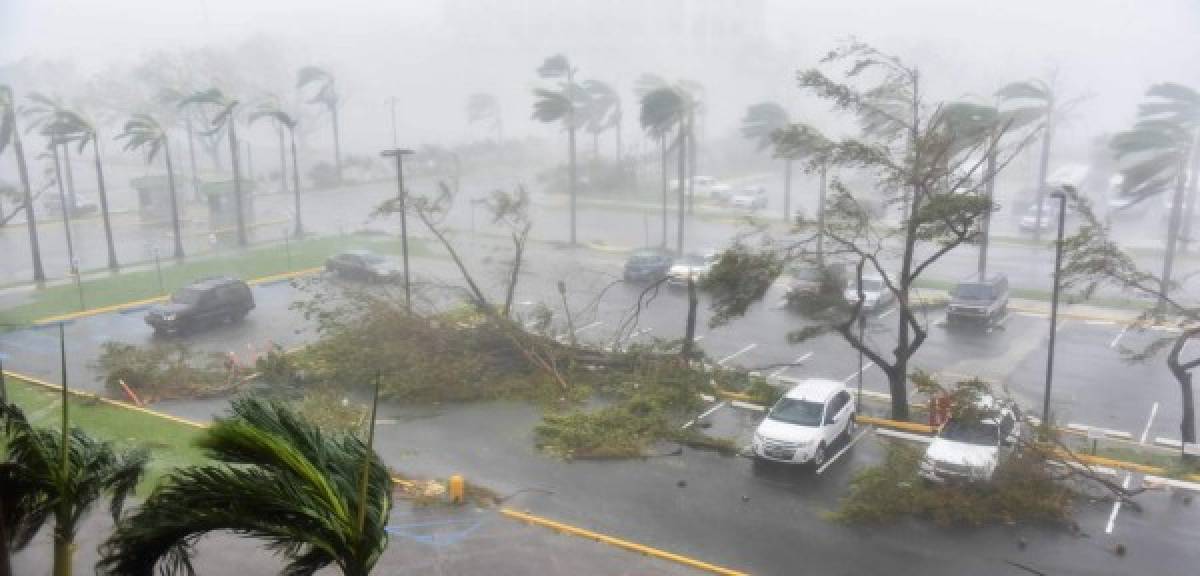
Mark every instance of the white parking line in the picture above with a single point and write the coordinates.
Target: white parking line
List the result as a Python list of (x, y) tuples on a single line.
[(699, 338), (1119, 336), (748, 348), (705, 414), (798, 360), (1112, 517), (886, 314), (844, 449), (588, 327), (865, 367)]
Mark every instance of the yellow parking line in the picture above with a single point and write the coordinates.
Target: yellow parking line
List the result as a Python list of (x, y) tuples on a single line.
[(896, 424), (285, 276), (619, 543), (109, 401)]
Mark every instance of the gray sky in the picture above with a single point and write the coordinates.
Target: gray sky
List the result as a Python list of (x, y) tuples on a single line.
[(1111, 49)]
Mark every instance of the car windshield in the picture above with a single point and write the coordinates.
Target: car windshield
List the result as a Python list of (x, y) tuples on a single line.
[(973, 291), (979, 433), (798, 412), (186, 296)]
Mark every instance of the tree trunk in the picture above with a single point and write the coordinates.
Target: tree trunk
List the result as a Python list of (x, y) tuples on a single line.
[(282, 158), (66, 213), (5, 553), (571, 171), (985, 228), (821, 215), (1182, 374), (103, 194), (689, 334), (618, 151), (1172, 238), (1044, 166), (898, 373), (64, 550), (682, 144), (787, 190), (691, 148), (337, 142), (296, 182), (237, 182), (1190, 205), (192, 159), (70, 174), (662, 142), (178, 249), (39, 274)]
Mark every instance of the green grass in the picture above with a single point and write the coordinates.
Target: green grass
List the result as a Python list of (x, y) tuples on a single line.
[(170, 443), (247, 264)]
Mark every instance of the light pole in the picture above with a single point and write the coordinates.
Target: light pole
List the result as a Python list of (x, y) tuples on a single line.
[(399, 154), (1061, 195)]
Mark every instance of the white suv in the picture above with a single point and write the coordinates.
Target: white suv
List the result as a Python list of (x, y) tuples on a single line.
[(802, 425), (970, 452)]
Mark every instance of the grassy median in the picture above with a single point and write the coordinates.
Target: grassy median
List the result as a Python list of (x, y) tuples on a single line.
[(144, 283)]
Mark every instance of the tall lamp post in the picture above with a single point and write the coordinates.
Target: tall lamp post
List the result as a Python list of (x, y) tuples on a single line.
[(399, 154), (1061, 195)]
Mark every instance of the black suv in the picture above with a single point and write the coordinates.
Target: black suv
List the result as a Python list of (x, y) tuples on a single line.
[(980, 302), (202, 303), (647, 265)]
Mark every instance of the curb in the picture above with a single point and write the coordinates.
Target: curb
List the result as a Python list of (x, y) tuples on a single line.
[(102, 399), (619, 543)]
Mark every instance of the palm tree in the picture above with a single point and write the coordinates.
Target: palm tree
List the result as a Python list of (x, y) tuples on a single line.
[(224, 119), (61, 474), (1154, 156), (10, 134), (646, 84), (327, 96), (42, 113), (271, 109), (172, 97), (563, 106), (483, 107), (763, 121), (317, 499), (603, 112), (144, 132), (665, 109)]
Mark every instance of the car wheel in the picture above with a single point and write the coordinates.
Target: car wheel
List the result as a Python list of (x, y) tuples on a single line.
[(818, 458)]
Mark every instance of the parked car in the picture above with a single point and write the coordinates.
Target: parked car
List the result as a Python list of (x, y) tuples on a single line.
[(695, 265), (805, 422), (647, 265), (980, 301), (971, 451), (365, 265), (876, 295), (750, 198), (807, 278), (200, 304), (1049, 216)]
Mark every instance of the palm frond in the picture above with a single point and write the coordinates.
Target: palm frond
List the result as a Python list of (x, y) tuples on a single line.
[(662, 109), (550, 106), (647, 83), (1025, 90), (555, 66), (762, 121)]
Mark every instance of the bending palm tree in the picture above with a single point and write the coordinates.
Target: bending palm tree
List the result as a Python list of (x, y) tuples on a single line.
[(143, 131), (314, 498), (603, 113), (327, 96), (761, 123), (646, 84), (84, 131), (483, 107), (224, 119), (270, 109), (800, 141), (562, 105), (665, 109), (10, 134), (1155, 154)]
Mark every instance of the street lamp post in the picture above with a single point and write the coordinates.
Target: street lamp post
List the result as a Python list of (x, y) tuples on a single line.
[(399, 154), (1061, 195)]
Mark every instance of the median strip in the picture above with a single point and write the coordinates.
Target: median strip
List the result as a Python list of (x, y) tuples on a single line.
[(619, 543)]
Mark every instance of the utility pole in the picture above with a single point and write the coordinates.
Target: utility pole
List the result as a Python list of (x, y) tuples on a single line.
[(402, 197)]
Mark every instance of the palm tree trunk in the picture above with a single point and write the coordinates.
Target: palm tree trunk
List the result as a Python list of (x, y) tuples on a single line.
[(174, 200), (787, 190), (689, 334), (821, 215), (618, 151), (282, 159), (70, 174), (192, 159), (337, 142), (986, 226), (64, 550), (66, 213), (5, 553), (296, 182), (64, 545), (662, 142), (39, 274), (1190, 205), (571, 171), (691, 161), (237, 182), (103, 193), (1044, 166), (682, 143), (1172, 237)]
